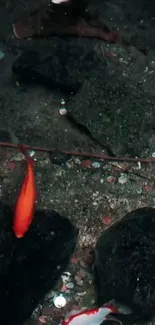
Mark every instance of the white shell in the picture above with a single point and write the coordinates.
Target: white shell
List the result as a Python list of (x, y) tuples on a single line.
[(63, 111), (59, 1), (59, 301)]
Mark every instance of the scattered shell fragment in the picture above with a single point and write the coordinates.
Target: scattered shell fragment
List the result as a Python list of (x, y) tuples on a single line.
[(122, 179), (70, 285), (96, 164), (77, 161), (70, 163), (81, 294), (63, 101), (59, 301), (139, 165), (66, 277), (19, 156), (79, 281), (31, 153), (111, 179)]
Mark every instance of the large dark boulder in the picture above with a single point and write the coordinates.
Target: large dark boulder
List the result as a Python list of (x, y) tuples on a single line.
[(125, 265), (57, 64), (12, 11), (31, 266), (117, 114)]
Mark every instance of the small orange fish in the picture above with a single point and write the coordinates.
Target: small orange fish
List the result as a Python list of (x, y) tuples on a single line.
[(25, 205)]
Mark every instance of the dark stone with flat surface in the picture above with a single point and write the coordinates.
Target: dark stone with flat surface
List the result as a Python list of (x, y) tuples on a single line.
[(125, 265), (31, 266), (58, 64), (118, 115)]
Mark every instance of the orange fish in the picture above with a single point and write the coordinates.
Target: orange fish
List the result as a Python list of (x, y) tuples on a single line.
[(25, 205)]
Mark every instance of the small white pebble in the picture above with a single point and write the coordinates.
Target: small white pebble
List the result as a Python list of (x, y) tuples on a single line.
[(63, 102), (69, 164), (153, 154), (77, 161), (59, 301), (101, 181), (58, 1), (63, 111), (139, 165), (96, 164), (95, 194), (81, 294), (70, 285), (31, 153), (19, 156), (65, 277), (123, 179)]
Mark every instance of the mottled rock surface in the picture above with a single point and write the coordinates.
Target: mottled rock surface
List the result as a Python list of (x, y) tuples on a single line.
[(117, 114)]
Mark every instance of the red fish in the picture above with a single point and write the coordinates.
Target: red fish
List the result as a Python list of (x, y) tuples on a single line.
[(25, 204)]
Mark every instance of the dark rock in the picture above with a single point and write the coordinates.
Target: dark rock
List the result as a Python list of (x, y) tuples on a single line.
[(54, 20), (31, 266), (11, 11), (117, 114), (125, 265), (110, 322), (133, 19), (60, 64), (37, 322)]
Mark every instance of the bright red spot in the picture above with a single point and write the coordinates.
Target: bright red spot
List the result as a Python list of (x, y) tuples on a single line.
[(74, 260), (63, 288), (42, 320), (11, 165), (86, 163), (148, 188), (106, 220)]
